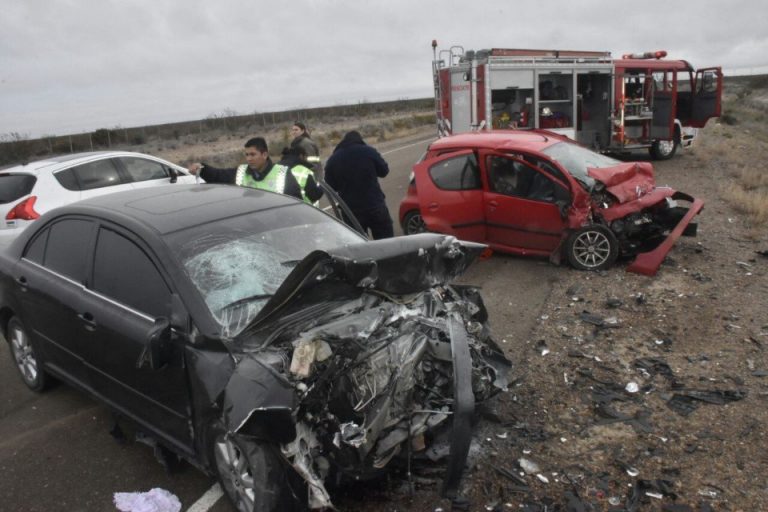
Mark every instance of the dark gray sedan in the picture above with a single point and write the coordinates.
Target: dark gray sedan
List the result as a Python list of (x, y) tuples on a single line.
[(255, 336)]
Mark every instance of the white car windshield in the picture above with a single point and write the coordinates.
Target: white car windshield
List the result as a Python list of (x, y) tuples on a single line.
[(238, 263), (576, 160)]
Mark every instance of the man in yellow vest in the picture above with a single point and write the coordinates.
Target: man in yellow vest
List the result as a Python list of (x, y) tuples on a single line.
[(260, 172)]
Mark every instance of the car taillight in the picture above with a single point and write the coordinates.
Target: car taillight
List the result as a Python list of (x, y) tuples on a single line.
[(24, 210)]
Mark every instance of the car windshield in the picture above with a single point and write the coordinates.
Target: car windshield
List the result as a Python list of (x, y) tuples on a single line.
[(576, 160), (238, 263)]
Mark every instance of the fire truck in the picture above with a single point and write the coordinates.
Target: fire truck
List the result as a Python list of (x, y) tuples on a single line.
[(612, 105)]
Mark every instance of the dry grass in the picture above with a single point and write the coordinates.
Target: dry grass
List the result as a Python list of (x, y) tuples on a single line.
[(751, 201)]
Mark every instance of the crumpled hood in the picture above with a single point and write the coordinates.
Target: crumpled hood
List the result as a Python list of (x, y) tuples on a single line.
[(626, 181), (400, 265)]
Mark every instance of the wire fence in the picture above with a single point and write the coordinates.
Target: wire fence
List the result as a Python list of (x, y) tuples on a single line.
[(17, 148)]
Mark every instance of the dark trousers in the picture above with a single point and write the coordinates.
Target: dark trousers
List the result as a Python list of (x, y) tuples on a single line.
[(376, 220)]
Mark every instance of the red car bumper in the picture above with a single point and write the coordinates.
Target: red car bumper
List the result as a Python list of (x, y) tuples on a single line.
[(647, 263)]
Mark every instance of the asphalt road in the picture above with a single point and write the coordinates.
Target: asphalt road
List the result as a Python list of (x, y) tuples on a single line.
[(56, 452)]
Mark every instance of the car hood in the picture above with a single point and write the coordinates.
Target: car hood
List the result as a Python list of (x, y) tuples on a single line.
[(626, 181), (398, 266), (364, 356)]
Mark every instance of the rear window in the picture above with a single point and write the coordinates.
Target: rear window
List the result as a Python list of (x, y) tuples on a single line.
[(460, 173), (15, 186), (67, 179)]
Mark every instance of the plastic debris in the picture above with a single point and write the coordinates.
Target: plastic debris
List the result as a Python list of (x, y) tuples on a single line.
[(528, 465), (155, 500), (542, 478), (686, 401), (632, 387)]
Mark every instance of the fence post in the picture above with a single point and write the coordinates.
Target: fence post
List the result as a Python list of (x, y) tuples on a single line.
[(70, 144)]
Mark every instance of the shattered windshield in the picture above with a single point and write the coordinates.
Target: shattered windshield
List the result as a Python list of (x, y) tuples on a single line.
[(576, 160), (238, 263)]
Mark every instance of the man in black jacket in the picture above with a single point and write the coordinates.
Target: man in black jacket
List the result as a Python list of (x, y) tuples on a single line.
[(353, 171)]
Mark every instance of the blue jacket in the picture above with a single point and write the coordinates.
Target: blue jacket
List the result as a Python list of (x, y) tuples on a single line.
[(353, 171)]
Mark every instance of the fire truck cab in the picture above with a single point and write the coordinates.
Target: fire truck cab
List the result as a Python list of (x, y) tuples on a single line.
[(613, 105)]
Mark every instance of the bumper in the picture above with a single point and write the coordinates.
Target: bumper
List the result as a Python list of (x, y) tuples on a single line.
[(647, 263)]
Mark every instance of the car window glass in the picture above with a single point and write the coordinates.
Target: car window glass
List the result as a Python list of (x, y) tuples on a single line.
[(124, 273), (36, 249), (460, 173), (67, 179), (15, 186), (578, 160), (140, 169), (239, 262), (97, 174), (66, 252), (515, 178)]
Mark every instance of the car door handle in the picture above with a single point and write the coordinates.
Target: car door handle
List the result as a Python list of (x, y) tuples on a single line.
[(88, 320), (433, 206), (22, 282), (493, 204)]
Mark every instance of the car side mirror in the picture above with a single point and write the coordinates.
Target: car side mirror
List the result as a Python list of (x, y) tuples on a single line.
[(174, 174), (151, 356)]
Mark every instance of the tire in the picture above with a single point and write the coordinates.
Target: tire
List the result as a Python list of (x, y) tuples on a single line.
[(413, 223), (253, 475), (592, 248), (664, 149), (26, 357)]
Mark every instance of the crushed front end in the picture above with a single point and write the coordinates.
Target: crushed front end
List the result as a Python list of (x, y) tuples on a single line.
[(645, 219), (387, 369)]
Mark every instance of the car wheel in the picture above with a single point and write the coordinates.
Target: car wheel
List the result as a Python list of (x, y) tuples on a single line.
[(25, 356), (253, 475), (413, 223), (663, 149), (592, 248)]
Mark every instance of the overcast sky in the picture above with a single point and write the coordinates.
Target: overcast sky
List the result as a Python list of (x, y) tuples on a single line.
[(77, 65)]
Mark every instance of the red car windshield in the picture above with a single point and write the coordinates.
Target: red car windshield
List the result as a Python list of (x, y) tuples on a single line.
[(576, 160)]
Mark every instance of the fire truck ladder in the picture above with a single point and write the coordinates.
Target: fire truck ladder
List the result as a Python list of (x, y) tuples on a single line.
[(447, 59)]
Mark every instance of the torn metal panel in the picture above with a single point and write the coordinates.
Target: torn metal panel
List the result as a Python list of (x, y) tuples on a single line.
[(369, 362)]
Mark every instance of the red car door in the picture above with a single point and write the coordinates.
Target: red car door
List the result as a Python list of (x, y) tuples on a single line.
[(523, 206), (451, 195)]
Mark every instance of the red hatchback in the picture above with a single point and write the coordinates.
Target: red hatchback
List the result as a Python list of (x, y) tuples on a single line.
[(539, 193)]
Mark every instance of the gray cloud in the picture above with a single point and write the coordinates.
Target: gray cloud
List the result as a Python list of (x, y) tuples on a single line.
[(71, 66)]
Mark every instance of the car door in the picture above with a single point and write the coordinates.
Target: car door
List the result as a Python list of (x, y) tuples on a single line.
[(707, 96), (51, 275), (127, 292), (664, 104), (522, 205), (451, 195)]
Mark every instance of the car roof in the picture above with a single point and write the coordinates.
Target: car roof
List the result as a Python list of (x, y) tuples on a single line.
[(61, 161), (177, 207), (504, 140)]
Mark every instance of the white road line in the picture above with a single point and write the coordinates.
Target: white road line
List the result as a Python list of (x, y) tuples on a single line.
[(408, 146), (207, 500)]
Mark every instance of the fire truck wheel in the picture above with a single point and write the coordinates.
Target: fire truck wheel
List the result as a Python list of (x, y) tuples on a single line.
[(663, 149), (592, 248), (413, 223)]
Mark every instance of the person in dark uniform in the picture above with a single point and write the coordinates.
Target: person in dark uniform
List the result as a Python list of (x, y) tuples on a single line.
[(353, 170)]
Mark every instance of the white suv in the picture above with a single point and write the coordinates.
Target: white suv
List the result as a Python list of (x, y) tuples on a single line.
[(29, 190)]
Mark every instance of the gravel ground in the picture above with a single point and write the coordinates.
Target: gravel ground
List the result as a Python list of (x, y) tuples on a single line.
[(635, 393)]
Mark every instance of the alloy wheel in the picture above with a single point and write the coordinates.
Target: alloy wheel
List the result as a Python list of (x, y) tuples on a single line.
[(235, 470), (24, 356), (592, 249)]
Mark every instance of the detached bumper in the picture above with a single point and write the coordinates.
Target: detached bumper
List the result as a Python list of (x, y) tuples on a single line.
[(647, 263)]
